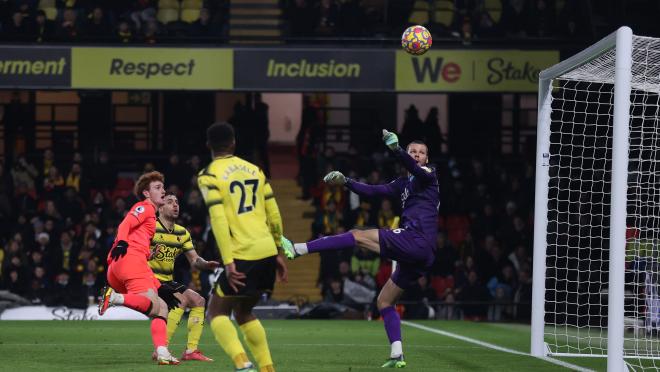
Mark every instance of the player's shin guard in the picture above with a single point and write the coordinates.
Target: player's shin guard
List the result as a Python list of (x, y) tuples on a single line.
[(137, 302), (392, 323), (341, 241), (255, 336), (226, 335), (173, 321), (159, 331), (195, 327)]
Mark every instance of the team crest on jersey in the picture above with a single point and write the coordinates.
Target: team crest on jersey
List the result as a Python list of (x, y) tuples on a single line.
[(138, 210)]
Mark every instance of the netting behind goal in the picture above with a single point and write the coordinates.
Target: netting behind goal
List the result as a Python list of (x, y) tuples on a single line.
[(579, 192)]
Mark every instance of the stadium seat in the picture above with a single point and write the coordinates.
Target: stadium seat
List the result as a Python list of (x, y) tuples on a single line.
[(51, 13), (169, 4), (457, 227), (494, 9), (420, 13), (419, 17), (166, 16), (443, 13), (43, 4), (192, 4), (189, 15)]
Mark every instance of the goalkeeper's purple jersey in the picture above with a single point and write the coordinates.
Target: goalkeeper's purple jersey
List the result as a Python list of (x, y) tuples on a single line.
[(419, 195)]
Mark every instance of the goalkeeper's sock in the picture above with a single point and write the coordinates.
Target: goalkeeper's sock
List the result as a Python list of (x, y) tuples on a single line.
[(255, 336), (159, 331), (134, 301), (341, 241), (392, 323), (195, 327), (226, 335), (173, 321)]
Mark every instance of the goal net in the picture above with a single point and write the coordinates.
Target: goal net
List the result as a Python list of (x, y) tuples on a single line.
[(598, 242)]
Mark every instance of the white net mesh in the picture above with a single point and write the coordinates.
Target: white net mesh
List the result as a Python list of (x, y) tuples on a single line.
[(579, 210)]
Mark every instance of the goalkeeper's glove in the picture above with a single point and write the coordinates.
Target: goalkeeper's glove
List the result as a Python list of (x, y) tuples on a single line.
[(119, 250), (390, 139), (334, 178)]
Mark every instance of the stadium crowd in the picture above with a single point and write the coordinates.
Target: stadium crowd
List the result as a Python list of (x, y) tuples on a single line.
[(118, 21), (171, 21)]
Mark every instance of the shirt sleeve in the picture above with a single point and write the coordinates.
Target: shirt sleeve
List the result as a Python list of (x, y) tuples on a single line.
[(422, 173), (390, 189), (213, 200), (273, 214), (133, 219), (187, 243)]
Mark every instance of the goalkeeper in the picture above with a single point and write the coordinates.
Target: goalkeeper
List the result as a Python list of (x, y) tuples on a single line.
[(412, 245)]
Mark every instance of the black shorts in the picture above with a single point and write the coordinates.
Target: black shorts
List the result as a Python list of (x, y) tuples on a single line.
[(166, 289), (259, 278)]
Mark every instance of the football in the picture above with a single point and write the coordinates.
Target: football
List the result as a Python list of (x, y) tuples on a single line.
[(416, 40)]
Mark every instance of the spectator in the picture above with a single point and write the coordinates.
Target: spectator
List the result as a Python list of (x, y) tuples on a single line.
[(474, 294), (262, 133), (422, 295), (65, 292), (44, 29), (124, 33), (97, 27), (204, 27), (151, 32), (76, 179), (175, 172), (24, 174), (104, 174), (18, 28), (68, 30)]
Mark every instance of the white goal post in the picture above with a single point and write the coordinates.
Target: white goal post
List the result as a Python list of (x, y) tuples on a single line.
[(597, 205)]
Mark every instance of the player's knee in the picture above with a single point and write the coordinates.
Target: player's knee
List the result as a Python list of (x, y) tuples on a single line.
[(162, 308), (382, 303)]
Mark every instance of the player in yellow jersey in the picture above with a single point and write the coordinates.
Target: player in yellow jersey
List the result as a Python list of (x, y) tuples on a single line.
[(169, 241), (246, 224)]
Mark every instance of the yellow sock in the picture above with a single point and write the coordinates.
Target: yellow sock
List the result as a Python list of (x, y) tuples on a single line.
[(173, 320), (195, 327), (226, 335), (255, 336)]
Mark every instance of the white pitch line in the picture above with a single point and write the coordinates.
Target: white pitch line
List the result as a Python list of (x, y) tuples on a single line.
[(488, 345)]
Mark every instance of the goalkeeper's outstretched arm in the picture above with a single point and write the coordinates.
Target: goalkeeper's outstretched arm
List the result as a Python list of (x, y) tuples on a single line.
[(390, 189), (423, 173)]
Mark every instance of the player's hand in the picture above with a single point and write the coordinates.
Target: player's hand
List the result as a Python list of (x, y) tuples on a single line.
[(334, 178), (282, 271), (390, 139), (212, 265), (234, 277), (119, 250)]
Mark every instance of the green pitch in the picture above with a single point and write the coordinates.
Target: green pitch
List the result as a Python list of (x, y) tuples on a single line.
[(296, 345)]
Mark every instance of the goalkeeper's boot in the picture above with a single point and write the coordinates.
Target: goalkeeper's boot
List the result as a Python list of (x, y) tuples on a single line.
[(195, 355), (289, 250), (397, 362), (106, 300)]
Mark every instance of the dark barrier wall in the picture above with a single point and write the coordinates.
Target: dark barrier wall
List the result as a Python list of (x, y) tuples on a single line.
[(30, 67), (323, 70)]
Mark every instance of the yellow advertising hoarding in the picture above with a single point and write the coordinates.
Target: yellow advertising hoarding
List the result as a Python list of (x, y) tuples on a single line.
[(472, 71), (152, 68)]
